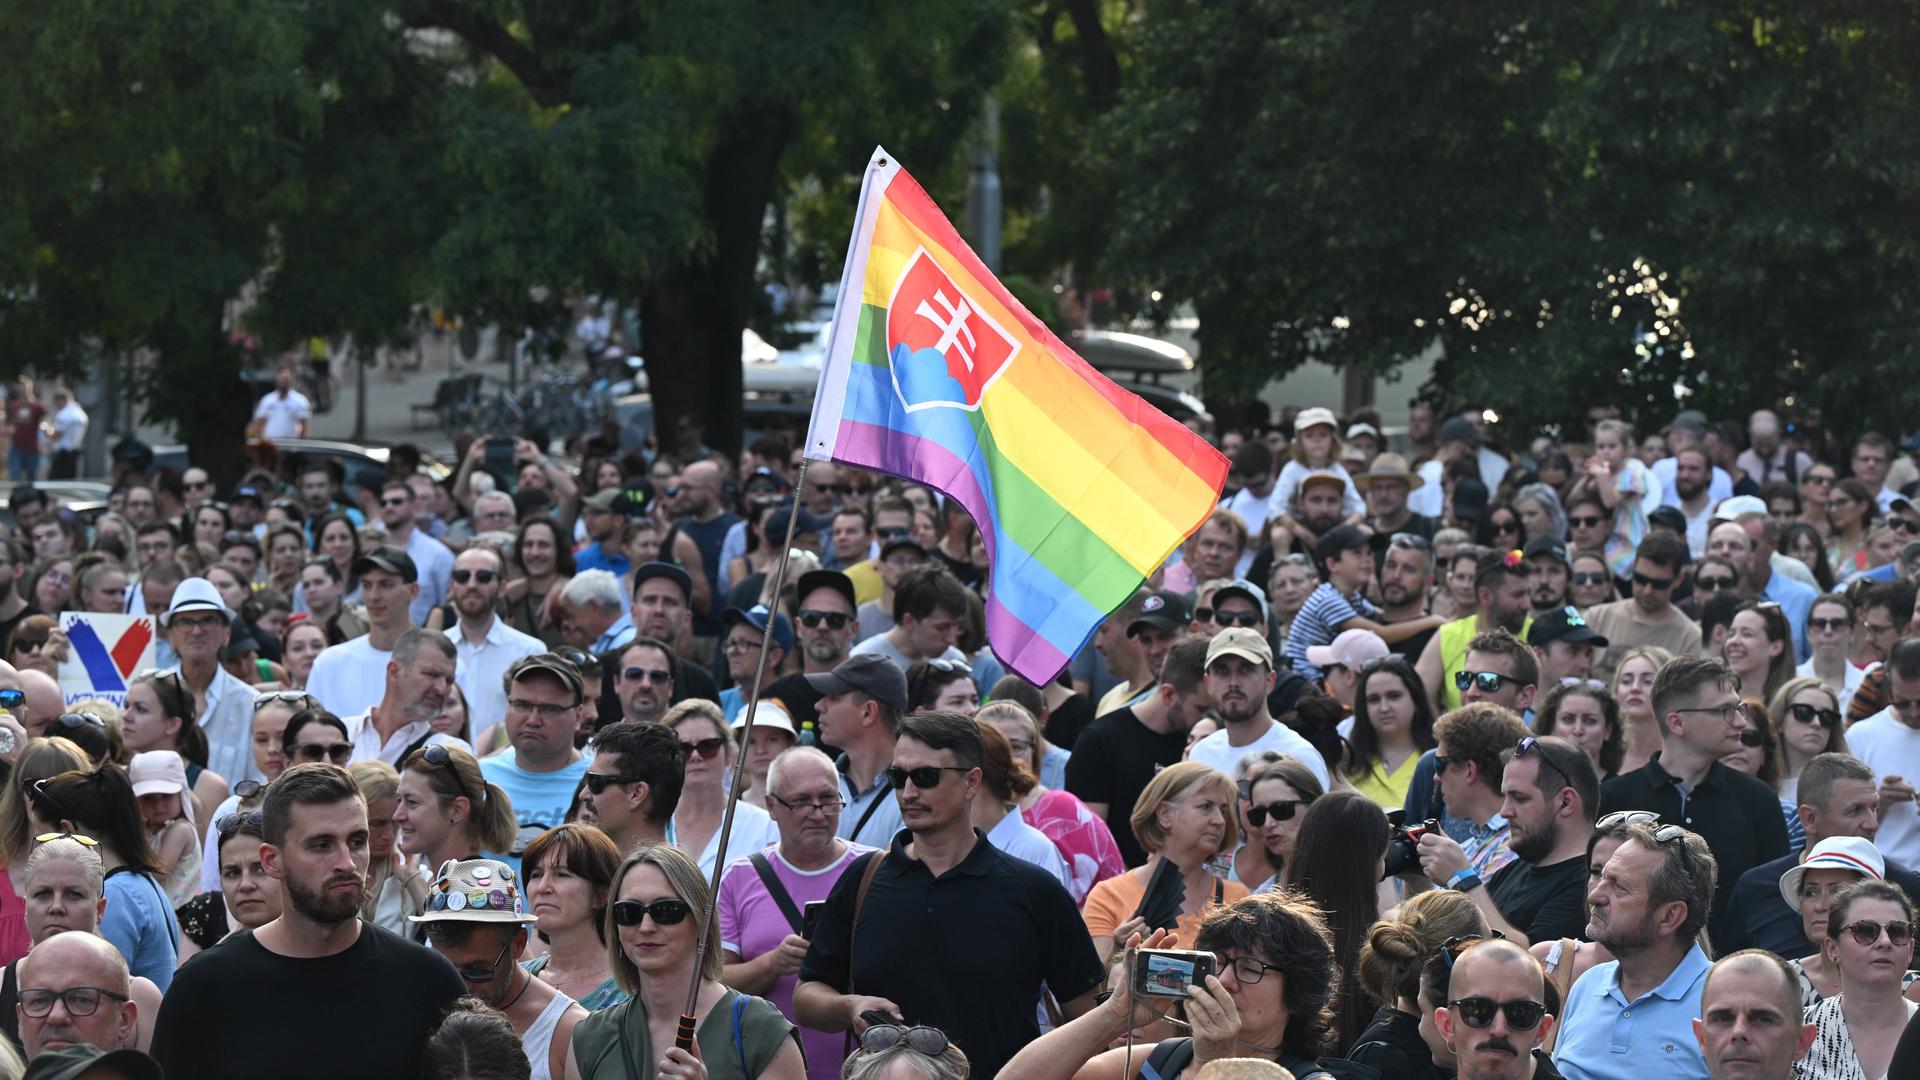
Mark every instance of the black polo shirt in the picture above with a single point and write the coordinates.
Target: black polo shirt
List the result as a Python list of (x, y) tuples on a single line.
[(1761, 919), (1114, 759), (965, 952), (1738, 816)]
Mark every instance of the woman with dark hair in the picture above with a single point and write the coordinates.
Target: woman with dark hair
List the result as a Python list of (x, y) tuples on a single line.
[(1500, 528), (159, 716), (248, 897), (300, 645), (1391, 962), (315, 735), (475, 1042), (544, 563), (335, 538), (1870, 940), (1584, 713), (1392, 727), (1759, 648), (569, 875), (139, 918), (1802, 541), (49, 585), (210, 522), (286, 550), (1002, 780), (1338, 863), (1852, 508), (27, 648), (943, 686), (1270, 1000), (1277, 790)]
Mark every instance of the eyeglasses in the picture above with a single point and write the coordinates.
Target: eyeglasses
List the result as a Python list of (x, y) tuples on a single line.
[(1247, 970), (1590, 577), (1865, 932), (484, 577), (931, 1042), (925, 777), (339, 753), (79, 1000), (740, 644), (657, 676), (1477, 1012), (598, 782), (1659, 584), (1829, 624), (704, 749), (1808, 714), (1729, 712), (75, 720), (835, 620), (267, 697), (1627, 817), (1871, 629), (1488, 681), (196, 622), (828, 807), (1533, 744), (1278, 811), (548, 710), (480, 976), (1713, 584), (49, 837), (668, 912)]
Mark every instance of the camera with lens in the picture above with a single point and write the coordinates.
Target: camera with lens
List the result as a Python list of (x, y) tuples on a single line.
[(1403, 843)]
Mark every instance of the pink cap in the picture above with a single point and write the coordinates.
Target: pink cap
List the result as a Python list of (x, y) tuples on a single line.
[(1351, 650)]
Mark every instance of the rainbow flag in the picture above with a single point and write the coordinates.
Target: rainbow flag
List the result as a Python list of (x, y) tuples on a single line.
[(935, 373)]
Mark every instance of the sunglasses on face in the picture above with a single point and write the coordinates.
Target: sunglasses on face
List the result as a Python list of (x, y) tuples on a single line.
[(1478, 1012), (891, 532), (1506, 526), (704, 749), (667, 912), (338, 753), (1809, 714), (1590, 577), (480, 976), (1753, 737), (598, 782), (833, 619), (1225, 619), (1865, 932), (1829, 624), (1488, 681), (1905, 525), (656, 676), (925, 777), (1712, 584), (484, 577), (1585, 522), (1278, 811), (1660, 584), (1818, 481)]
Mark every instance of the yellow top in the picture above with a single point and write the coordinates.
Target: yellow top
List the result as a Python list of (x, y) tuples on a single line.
[(1387, 789), (866, 581)]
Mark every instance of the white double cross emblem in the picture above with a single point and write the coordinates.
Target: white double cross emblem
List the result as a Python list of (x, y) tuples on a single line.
[(953, 328)]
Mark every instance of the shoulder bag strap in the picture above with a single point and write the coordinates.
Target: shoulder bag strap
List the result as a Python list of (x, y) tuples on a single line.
[(778, 891), (867, 815), (853, 929)]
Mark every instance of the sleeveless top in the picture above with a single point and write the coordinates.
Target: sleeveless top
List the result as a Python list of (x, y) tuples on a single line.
[(1453, 653), (538, 1041), (738, 1039)]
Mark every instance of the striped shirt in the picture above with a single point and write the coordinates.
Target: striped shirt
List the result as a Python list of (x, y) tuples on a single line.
[(1318, 621)]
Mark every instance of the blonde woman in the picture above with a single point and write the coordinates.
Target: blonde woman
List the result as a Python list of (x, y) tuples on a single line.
[(395, 890), (1633, 689), (1185, 817)]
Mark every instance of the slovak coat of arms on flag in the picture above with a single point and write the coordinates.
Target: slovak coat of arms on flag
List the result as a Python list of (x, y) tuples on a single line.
[(946, 349)]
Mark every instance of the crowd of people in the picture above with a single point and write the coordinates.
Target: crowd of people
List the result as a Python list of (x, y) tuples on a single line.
[(1420, 757)]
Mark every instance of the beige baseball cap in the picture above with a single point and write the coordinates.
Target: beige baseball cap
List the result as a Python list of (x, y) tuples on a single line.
[(1239, 641)]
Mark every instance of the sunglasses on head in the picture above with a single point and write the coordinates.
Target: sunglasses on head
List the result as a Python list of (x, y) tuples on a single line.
[(948, 667), (1488, 681), (1477, 1012), (1278, 811), (834, 620), (879, 1038), (668, 912), (228, 824), (1627, 817), (1531, 745), (1811, 714), (73, 720), (247, 789), (925, 777), (1867, 932), (267, 697), (704, 749), (49, 837), (484, 577)]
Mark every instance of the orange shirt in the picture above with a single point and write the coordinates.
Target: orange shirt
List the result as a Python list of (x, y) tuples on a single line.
[(1113, 901)]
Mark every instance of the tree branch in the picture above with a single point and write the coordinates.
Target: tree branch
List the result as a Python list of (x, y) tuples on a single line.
[(495, 41)]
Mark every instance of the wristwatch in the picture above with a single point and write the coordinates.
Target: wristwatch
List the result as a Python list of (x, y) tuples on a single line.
[(1463, 880)]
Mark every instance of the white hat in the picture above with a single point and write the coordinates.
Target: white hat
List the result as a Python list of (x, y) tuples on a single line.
[(162, 772), (771, 713), (194, 594), (1739, 505), (1854, 853), (1362, 428), (1352, 649), (1314, 417), (475, 890)]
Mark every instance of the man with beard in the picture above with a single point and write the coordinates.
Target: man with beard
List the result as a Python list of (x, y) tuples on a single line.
[(432, 560), (1549, 573), (1635, 1012), (1564, 644), (419, 681), (1496, 1013), (1689, 495), (482, 641), (601, 518), (1649, 618), (1549, 792), (1505, 600), (1406, 576), (1345, 558), (662, 608), (826, 616), (226, 1014), (1239, 675), (643, 679), (350, 677), (1387, 484), (1321, 502)]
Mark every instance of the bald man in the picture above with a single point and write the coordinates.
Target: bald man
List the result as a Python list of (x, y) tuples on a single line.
[(79, 987), (1749, 1026), (44, 700), (1495, 1014)]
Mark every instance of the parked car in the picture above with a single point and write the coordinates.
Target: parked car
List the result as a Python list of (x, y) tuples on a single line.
[(364, 466)]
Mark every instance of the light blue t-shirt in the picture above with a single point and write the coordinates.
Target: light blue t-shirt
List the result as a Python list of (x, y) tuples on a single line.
[(139, 921), (540, 799), (1603, 1036)]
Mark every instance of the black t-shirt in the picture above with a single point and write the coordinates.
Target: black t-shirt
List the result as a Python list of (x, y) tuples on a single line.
[(1411, 648), (229, 1010), (690, 680), (1065, 723), (7, 625), (1113, 761), (1545, 903), (966, 952)]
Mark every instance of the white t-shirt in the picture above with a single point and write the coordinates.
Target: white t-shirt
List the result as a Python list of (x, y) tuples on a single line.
[(349, 678), (70, 427), (1214, 750), (1891, 748), (283, 415)]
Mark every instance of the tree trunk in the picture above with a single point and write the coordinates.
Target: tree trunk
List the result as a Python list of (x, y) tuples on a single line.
[(196, 385), (692, 317)]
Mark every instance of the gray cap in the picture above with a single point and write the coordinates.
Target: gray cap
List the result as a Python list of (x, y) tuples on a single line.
[(873, 675)]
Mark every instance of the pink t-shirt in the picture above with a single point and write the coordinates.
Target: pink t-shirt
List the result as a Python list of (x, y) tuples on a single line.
[(751, 925), (1084, 841)]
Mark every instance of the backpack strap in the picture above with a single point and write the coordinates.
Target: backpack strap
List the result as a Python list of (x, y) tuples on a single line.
[(739, 1040), (777, 890), (1168, 1060)]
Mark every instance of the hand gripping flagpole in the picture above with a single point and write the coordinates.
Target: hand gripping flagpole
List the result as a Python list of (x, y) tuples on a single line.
[(683, 1038)]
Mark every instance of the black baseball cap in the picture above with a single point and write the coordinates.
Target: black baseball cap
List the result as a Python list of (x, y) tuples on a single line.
[(561, 667), (828, 579), (873, 675), (898, 542), (389, 558), (1341, 538), (649, 571), (79, 1059), (1547, 545), (1668, 517), (1162, 610), (1563, 624)]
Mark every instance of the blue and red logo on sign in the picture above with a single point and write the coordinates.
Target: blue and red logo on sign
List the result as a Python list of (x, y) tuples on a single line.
[(945, 349), (109, 664)]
